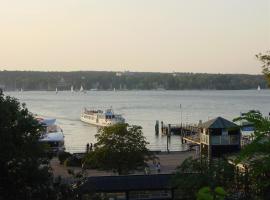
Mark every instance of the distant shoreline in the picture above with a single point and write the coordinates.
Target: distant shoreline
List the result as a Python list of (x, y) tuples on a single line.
[(121, 81), (89, 91)]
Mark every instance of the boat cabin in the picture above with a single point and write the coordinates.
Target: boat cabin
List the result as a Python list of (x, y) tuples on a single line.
[(54, 140), (109, 114), (53, 136)]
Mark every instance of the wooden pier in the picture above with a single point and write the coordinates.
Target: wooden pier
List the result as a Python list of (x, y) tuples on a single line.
[(189, 133), (215, 137), (179, 129)]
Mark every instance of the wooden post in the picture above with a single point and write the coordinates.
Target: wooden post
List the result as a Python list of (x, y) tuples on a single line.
[(209, 146), (157, 127), (168, 135)]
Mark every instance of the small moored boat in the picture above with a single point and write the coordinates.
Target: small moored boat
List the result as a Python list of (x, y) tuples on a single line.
[(53, 135)]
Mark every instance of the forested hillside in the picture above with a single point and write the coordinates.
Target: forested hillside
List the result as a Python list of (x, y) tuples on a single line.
[(101, 80)]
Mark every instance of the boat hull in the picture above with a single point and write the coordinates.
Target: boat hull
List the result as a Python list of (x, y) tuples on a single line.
[(100, 118), (100, 122)]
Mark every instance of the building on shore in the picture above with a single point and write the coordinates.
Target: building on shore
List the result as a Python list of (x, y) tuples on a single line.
[(215, 138), (219, 136), (132, 187)]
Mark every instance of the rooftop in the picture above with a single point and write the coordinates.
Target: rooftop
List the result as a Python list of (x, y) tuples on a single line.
[(219, 122), (127, 183)]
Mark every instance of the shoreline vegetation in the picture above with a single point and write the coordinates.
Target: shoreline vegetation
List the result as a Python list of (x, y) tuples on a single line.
[(110, 81)]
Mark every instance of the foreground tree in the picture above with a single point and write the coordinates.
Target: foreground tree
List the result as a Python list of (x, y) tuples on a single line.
[(256, 155), (24, 171), (265, 59), (193, 176), (120, 148)]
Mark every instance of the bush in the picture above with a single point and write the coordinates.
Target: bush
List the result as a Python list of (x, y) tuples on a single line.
[(90, 161), (73, 161), (62, 156)]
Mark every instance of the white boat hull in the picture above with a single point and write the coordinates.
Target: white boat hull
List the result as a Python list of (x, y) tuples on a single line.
[(100, 122)]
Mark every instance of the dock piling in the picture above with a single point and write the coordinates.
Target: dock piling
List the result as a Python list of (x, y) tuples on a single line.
[(162, 127), (157, 127)]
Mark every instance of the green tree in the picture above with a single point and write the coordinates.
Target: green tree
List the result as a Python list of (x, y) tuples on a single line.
[(120, 148), (265, 59), (194, 174), (24, 169), (206, 193), (256, 155)]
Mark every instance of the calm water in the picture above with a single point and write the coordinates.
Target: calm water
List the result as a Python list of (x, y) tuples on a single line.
[(141, 108)]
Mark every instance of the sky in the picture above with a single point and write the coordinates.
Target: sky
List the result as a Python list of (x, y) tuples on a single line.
[(209, 36)]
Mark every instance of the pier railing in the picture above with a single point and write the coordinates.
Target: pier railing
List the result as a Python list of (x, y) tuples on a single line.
[(220, 139)]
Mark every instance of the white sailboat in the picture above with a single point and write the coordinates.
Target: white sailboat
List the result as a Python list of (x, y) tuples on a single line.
[(56, 91), (259, 88), (71, 89)]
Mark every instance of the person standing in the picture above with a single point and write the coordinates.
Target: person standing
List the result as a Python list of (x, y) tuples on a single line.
[(87, 147), (91, 147), (158, 167)]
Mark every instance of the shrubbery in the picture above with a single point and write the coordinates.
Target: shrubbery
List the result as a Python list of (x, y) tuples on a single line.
[(73, 161), (62, 156)]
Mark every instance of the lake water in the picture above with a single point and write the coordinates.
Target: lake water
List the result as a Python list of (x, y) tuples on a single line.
[(141, 108)]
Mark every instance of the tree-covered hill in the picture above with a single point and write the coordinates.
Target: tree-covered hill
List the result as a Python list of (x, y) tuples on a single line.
[(101, 80)]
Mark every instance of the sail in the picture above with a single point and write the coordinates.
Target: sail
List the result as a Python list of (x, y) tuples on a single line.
[(81, 89), (56, 91), (259, 88), (71, 89)]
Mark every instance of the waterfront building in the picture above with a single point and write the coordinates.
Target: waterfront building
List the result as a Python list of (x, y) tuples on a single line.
[(130, 187), (219, 136)]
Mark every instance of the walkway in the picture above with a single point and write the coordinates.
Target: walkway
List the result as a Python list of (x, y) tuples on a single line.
[(168, 162)]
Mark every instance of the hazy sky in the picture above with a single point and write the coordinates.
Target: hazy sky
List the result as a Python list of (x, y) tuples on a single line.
[(216, 36)]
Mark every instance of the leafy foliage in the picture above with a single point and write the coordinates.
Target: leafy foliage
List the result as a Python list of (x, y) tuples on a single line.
[(62, 156), (121, 148), (256, 156), (206, 193), (195, 174), (24, 169), (265, 59)]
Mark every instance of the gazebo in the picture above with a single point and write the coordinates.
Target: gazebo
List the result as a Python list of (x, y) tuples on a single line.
[(219, 136)]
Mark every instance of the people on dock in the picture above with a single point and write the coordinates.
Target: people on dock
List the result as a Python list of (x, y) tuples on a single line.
[(91, 147), (158, 167), (87, 147)]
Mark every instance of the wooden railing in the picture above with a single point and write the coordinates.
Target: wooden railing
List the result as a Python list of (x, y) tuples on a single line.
[(221, 139)]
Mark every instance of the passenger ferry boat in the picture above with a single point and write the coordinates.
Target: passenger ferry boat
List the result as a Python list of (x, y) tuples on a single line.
[(53, 135), (100, 118)]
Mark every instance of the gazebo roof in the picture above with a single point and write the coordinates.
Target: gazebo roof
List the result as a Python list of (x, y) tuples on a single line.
[(219, 122)]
